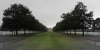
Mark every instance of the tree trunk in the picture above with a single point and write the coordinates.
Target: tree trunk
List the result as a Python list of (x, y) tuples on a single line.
[(24, 32), (16, 32), (75, 31), (29, 32), (70, 31), (12, 33), (83, 32), (67, 31)]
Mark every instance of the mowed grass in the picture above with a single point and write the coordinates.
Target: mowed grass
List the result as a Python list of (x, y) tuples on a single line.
[(49, 41)]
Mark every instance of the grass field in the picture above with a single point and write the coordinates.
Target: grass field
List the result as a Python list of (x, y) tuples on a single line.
[(50, 41)]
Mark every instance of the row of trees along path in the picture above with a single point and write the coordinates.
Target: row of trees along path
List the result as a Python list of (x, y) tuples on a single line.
[(76, 19), (19, 17)]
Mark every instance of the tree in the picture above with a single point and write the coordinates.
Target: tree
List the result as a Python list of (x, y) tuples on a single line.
[(18, 17), (15, 13), (83, 18), (76, 19)]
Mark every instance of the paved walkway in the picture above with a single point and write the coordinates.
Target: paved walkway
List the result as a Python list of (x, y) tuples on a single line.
[(50, 41)]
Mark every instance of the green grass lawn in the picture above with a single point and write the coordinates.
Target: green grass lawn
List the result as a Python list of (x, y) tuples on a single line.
[(50, 41)]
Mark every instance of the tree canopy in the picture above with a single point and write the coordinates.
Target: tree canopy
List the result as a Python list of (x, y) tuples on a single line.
[(18, 16), (76, 19)]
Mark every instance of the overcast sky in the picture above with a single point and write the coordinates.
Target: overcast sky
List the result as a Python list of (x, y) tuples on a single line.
[(49, 12)]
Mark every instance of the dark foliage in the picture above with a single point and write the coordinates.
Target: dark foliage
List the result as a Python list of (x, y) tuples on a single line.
[(76, 19), (19, 17)]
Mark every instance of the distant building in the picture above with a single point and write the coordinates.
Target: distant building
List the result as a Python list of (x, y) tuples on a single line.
[(50, 29)]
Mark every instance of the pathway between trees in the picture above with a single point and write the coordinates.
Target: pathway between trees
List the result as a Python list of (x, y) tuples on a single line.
[(50, 41)]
